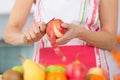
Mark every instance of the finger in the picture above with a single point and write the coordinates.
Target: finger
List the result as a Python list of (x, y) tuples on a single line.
[(36, 28), (61, 42), (26, 33), (42, 26), (32, 34), (65, 25), (26, 41), (64, 39), (36, 31)]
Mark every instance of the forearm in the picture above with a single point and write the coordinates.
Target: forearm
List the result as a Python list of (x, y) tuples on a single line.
[(16, 22), (99, 39), (106, 38)]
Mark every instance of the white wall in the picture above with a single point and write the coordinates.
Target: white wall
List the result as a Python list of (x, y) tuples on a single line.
[(6, 6)]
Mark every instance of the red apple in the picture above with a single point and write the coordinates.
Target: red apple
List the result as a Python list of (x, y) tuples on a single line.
[(55, 26), (76, 71)]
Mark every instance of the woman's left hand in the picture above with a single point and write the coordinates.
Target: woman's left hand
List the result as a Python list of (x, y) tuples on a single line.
[(73, 31)]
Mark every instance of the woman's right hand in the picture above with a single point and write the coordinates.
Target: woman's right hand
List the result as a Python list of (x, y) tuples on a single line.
[(34, 32)]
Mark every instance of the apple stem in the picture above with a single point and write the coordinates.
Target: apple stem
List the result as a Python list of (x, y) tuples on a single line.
[(22, 58)]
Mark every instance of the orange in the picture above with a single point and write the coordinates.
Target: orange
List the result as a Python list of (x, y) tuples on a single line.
[(118, 39), (116, 53), (97, 77), (116, 77), (56, 76)]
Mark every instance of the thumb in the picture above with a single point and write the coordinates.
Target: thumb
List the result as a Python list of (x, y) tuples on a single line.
[(65, 25), (42, 26)]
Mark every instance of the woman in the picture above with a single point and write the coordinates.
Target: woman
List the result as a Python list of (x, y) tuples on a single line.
[(91, 29)]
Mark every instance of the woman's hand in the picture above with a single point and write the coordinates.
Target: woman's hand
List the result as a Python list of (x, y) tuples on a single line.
[(34, 32), (73, 31)]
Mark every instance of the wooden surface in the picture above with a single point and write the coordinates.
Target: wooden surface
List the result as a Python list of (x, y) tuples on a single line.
[(0, 77)]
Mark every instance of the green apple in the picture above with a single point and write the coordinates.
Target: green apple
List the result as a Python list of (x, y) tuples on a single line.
[(18, 68), (54, 68)]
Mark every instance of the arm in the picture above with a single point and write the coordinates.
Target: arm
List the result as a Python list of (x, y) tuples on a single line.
[(106, 38), (17, 19)]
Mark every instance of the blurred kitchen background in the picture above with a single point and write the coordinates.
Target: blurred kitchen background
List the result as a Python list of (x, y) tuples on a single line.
[(9, 55)]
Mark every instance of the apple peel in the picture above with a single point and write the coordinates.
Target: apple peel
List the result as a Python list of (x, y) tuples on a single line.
[(55, 31)]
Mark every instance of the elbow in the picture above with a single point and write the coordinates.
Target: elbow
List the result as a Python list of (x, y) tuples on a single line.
[(6, 37), (12, 34), (111, 48), (111, 41), (13, 38), (112, 44)]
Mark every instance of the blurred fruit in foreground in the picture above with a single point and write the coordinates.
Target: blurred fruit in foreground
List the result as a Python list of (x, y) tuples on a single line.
[(118, 38), (12, 75), (18, 68), (116, 56), (116, 77), (54, 68), (116, 53), (76, 71), (97, 74), (55, 72), (56, 76), (33, 71)]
